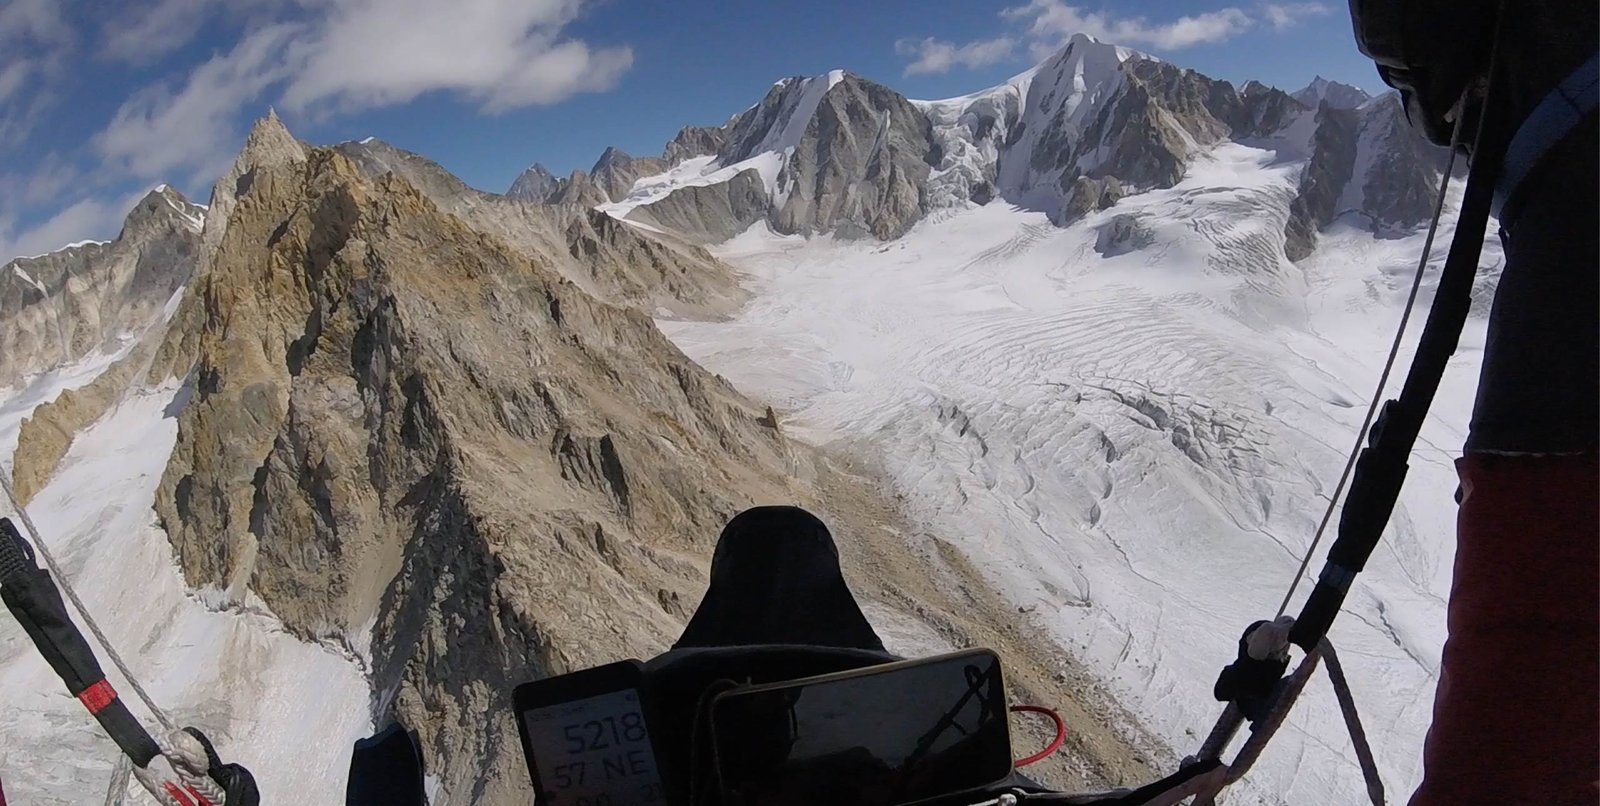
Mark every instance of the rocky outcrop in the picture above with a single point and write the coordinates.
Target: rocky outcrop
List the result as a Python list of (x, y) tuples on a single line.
[(59, 307), (534, 184), (695, 141), (1264, 111), (839, 154), (1400, 187), (709, 213), (616, 171), (1123, 234), (860, 167), (1366, 163), (1165, 112), (577, 189), (687, 280), (1323, 181), (616, 262), (610, 179), (400, 421), (268, 145), (1091, 196), (375, 158)]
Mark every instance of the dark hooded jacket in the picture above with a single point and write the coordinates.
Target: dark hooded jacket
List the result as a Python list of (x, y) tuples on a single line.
[(1538, 392)]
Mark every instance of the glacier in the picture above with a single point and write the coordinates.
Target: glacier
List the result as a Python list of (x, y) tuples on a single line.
[(1136, 448)]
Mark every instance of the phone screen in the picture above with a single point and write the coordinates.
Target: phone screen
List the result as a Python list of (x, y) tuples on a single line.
[(593, 752), (895, 736)]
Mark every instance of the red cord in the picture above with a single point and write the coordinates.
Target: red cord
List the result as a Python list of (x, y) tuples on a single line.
[(1055, 744)]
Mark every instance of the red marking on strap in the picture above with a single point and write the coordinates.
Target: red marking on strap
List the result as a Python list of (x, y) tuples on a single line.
[(177, 794), (185, 796), (98, 696)]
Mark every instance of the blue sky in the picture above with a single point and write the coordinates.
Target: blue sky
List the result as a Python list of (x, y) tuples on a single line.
[(102, 99)]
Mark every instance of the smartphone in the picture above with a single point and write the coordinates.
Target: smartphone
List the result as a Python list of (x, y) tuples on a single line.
[(897, 733), (586, 740)]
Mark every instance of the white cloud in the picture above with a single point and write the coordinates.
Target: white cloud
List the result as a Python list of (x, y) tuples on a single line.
[(501, 53), (144, 32), (342, 56), (89, 218), (13, 77), (34, 40), (46, 181), (1054, 21), (1282, 16), (312, 57), (38, 20), (1045, 25), (937, 56), (158, 131)]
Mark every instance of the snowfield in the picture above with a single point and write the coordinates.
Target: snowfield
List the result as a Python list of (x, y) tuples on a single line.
[(1135, 447)]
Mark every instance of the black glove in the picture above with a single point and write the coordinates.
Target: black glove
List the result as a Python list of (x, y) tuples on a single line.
[(236, 781), (1248, 682)]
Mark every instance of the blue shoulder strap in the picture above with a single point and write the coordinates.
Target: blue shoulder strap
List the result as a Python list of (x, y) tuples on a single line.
[(1553, 119)]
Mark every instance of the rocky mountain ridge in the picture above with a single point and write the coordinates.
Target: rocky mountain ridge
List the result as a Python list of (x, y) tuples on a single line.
[(403, 422), (840, 154), (618, 263), (59, 307), (1339, 95), (1369, 165)]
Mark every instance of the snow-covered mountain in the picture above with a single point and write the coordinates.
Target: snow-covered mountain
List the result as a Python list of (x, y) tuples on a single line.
[(830, 153), (57, 308), (1337, 95), (1082, 351), (1090, 125), (839, 153), (1366, 162)]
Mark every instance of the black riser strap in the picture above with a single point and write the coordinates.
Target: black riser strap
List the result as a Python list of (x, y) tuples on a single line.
[(16, 556), (36, 603), (120, 724), (34, 600), (1374, 490), (1381, 469)]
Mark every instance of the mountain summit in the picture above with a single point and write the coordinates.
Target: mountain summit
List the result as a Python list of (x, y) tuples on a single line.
[(533, 184), (92, 297), (841, 154), (1339, 96)]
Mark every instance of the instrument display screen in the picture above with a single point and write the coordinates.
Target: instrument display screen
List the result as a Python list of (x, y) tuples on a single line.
[(896, 733), (593, 751)]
